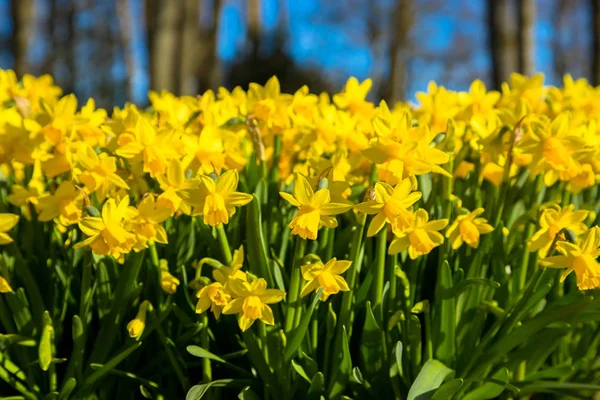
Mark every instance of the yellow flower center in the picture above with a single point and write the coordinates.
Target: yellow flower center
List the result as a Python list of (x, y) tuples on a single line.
[(215, 211), (306, 223), (469, 232), (555, 151), (217, 296), (252, 307), (421, 241), (587, 270), (328, 282)]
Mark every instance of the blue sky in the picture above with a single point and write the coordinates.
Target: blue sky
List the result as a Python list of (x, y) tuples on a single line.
[(321, 35)]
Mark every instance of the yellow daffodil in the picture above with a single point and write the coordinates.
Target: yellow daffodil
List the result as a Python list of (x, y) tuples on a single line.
[(171, 183), (153, 148), (468, 229), (147, 222), (107, 234), (168, 282), (326, 276), (136, 326), (66, 204), (5, 286), (216, 200), (251, 301), (581, 258), (421, 237), (555, 149), (315, 209), (391, 205), (226, 273), (213, 296), (552, 221), (7, 222), (99, 172)]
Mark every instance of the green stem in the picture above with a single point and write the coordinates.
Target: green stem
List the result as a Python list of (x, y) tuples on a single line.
[(224, 243), (205, 340), (295, 283), (355, 251), (86, 285), (391, 270), (379, 277)]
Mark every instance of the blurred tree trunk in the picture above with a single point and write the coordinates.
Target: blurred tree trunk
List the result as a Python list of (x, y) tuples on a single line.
[(558, 48), (23, 15), (527, 11), (403, 19), (124, 19), (501, 41), (596, 42), (254, 28), (163, 24), (199, 64)]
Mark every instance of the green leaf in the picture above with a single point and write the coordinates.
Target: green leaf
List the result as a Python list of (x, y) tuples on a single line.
[(363, 290), (398, 357), (297, 335), (429, 380), (298, 368), (342, 369), (67, 389), (444, 325), (415, 342), (371, 348), (317, 385), (551, 373), (45, 349), (93, 378), (248, 394), (18, 339), (198, 391), (464, 285), (448, 389), (257, 245), (331, 322), (490, 390), (567, 386)]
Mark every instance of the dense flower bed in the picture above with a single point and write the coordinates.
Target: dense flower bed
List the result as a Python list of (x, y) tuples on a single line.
[(278, 245)]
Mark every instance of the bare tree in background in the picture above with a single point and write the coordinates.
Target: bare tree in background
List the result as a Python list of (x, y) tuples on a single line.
[(124, 19), (595, 41), (502, 41), (527, 11), (163, 24), (254, 26), (403, 19), (558, 48), (206, 69), (23, 15)]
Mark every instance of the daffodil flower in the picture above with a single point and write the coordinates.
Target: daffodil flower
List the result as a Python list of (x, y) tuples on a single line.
[(216, 200), (147, 222), (581, 258), (7, 222), (552, 221), (107, 235), (252, 301), (421, 238), (326, 276), (99, 172), (213, 296), (468, 229), (226, 273), (66, 204), (315, 209), (168, 282), (136, 326), (391, 205)]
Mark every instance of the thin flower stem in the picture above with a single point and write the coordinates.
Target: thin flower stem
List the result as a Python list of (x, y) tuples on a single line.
[(379, 278), (205, 340), (293, 306), (224, 243)]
